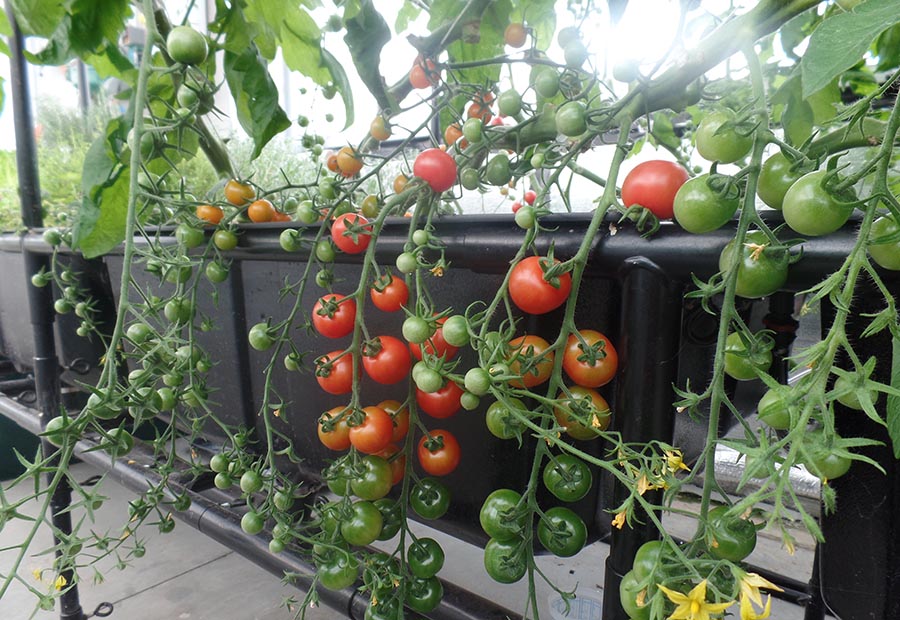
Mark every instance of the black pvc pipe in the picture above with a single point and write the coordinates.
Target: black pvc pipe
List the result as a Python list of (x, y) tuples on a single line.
[(40, 300), (223, 525), (486, 243), (649, 340)]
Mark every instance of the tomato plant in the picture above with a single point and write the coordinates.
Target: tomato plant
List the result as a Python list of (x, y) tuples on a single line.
[(374, 433), (718, 140), (730, 538), (567, 477), (386, 360), (700, 209), (439, 452), (562, 532), (389, 293), (351, 233), (531, 359), (436, 168), (441, 403), (334, 372), (653, 185), (761, 270), (430, 499), (532, 292), (590, 359), (502, 516), (505, 562)]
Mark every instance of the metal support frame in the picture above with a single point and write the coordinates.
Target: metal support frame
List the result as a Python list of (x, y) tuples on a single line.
[(40, 300)]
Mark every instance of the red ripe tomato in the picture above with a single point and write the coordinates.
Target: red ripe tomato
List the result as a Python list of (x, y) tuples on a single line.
[(374, 434), (529, 196), (436, 345), (439, 460), (423, 73), (333, 319), (441, 404), (386, 359), (516, 206), (530, 360), (531, 292), (338, 438), (390, 294), (350, 242), (590, 366), (398, 465), (436, 168), (400, 414), (653, 184), (334, 373)]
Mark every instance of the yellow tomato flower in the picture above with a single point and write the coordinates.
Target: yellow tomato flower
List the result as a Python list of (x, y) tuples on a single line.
[(693, 605), (751, 597), (37, 574), (619, 520), (748, 612), (675, 461), (60, 583)]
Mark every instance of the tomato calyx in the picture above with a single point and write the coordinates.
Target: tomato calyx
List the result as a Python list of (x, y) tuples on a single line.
[(645, 221), (433, 442)]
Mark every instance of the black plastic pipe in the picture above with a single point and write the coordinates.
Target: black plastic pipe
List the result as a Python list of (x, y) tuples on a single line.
[(224, 525), (40, 300), (648, 350), (486, 243)]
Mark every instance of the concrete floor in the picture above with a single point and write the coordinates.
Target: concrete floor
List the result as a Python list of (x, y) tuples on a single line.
[(186, 576)]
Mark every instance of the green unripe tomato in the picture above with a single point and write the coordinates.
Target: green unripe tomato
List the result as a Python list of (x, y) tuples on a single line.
[(186, 45), (885, 255), (509, 103), (473, 130), (497, 171), (726, 146), (775, 179)]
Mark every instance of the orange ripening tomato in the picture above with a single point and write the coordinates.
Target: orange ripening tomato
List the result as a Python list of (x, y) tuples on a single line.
[(238, 193), (331, 162), (380, 129), (400, 183), (593, 365), (423, 73), (452, 133), (280, 216), (349, 161), (261, 211), (530, 359), (338, 438), (209, 214)]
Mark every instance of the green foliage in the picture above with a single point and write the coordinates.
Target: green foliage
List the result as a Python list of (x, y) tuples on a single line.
[(838, 44)]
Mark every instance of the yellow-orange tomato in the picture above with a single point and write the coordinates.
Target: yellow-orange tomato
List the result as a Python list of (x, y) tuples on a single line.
[(515, 35), (582, 421), (380, 129), (529, 357), (331, 162), (238, 193), (452, 133), (400, 183), (349, 162), (338, 438), (210, 214), (261, 211)]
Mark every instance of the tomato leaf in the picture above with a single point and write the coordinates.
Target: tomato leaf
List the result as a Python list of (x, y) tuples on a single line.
[(893, 401), (406, 14), (100, 222), (842, 39), (38, 17), (255, 96), (367, 34)]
